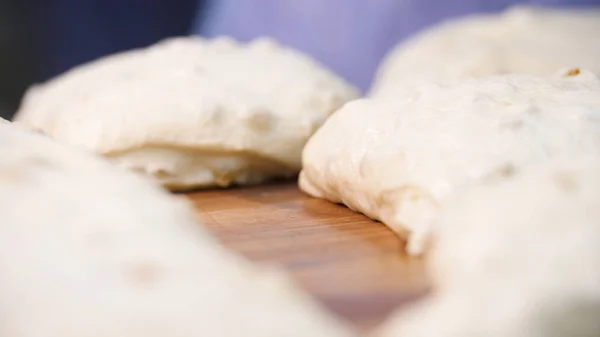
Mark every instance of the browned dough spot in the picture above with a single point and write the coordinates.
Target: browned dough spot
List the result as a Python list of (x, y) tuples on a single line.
[(567, 181), (143, 273), (574, 72), (508, 170)]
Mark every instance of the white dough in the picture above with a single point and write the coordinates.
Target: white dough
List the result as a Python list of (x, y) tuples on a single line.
[(88, 250), (524, 39), (398, 160), (192, 112), (516, 257)]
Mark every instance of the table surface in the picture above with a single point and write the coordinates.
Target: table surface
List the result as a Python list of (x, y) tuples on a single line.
[(351, 264)]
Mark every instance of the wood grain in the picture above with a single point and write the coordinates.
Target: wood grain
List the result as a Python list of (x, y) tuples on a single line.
[(353, 265)]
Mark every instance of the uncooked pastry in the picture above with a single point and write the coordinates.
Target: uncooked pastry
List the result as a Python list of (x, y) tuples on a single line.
[(525, 39), (89, 250), (398, 160), (516, 257), (192, 112)]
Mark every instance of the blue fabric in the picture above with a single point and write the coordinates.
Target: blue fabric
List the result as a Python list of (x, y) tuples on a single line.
[(70, 32), (349, 36)]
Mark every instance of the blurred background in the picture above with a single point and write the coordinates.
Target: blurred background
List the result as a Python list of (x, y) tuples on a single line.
[(40, 39)]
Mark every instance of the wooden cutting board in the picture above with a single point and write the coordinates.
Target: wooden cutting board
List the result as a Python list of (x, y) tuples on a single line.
[(351, 264)]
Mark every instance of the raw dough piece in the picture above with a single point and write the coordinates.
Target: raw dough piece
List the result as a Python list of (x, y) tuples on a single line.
[(516, 257), (525, 39), (192, 112), (399, 160), (88, 250)]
